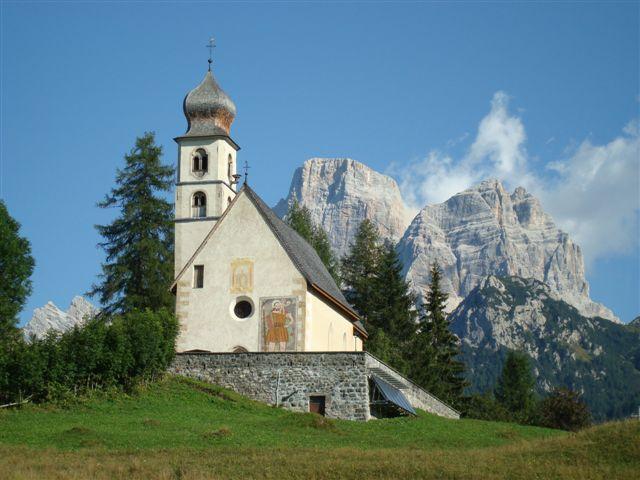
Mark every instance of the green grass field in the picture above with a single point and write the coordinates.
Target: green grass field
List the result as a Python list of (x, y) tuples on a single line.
[(179, 428)]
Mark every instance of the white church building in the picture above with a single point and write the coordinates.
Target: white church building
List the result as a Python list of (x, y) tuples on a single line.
[(258, 311), (244, 280)]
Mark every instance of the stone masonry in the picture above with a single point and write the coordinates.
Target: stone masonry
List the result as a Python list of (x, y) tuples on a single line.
[(289, 379)]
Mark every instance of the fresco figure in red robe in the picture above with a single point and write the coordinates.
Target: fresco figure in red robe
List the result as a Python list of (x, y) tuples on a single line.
[(277, 322)]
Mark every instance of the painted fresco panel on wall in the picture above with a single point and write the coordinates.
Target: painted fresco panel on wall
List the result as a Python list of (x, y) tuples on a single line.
[(278, 324), (241, 275)]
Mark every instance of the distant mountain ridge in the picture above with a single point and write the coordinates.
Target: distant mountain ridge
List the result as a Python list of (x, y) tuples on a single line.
[(50, 317), (481, 231), (484, 231), (596, 357), (340, 193)]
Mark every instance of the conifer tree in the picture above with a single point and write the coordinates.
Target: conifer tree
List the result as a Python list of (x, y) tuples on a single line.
[(139, 242), (434, 364), (359, 270), (374, 285), (514, 389), (393, 310), (16, 267), (325, 252), (299, 218)]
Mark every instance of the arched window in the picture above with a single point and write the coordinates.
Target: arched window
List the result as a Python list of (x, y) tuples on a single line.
[(230, 168), (344, 341), (199, 205), (200, 161), (240, 349)]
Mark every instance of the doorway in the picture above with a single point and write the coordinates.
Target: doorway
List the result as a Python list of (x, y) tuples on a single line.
[(317, 404)]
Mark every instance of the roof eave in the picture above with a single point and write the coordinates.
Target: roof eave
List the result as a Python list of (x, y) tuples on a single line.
[(225, 137)]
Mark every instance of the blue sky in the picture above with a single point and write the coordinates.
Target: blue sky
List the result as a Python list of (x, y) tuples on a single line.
[(540, 94)]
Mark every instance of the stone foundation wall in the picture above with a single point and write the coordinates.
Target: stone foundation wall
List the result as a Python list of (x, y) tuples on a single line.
[(287, 379)]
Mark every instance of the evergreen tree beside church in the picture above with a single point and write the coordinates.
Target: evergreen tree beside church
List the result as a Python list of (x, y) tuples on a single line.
[(435, 365), (299, 218), (374, 285), (139, 242)]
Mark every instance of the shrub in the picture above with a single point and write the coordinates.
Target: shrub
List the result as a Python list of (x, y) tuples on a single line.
[(484, 407), (106, 352), (563, 409)]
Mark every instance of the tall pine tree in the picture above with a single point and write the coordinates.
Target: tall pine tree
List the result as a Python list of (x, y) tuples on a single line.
[(16, 267), (435, 349), (514, 389), (359, 270), (299, 218), (139, 242), (374, 285)]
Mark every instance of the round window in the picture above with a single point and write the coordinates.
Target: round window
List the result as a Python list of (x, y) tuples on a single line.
[(243, 309)]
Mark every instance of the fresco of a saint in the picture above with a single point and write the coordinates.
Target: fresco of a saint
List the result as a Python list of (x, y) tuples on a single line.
[(278, 324), (241, 276)]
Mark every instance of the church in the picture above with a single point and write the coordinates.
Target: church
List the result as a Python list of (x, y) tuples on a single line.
[(244, 280), (258, 311)]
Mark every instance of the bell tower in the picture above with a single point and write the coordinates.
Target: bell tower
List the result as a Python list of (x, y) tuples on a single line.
[(206, 173)]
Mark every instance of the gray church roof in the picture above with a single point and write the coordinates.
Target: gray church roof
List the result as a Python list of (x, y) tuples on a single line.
[(303, 255)]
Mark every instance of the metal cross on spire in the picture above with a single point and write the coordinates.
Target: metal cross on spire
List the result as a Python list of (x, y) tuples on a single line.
[(246, 171), (211, 45)]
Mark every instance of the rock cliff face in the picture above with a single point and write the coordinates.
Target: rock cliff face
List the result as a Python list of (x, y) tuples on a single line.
[(482, 231), (487, 231), (340, 193), (596, 357), (50, 317)]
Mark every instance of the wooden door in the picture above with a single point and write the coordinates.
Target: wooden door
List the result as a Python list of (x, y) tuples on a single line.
[(316, 404)]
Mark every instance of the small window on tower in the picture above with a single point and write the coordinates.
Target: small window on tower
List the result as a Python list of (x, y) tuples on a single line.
[(230, 168), (198, 276), (199, 206), (200, 161)]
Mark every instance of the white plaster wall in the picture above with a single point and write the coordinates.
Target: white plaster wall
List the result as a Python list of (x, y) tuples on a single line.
[(327, 330), (218, 150), (189, 235), (205, 315)]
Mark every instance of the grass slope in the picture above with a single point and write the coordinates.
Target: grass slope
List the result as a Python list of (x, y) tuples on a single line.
[(179, 428)]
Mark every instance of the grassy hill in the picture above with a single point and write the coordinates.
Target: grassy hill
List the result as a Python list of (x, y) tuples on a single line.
[(180, 428)]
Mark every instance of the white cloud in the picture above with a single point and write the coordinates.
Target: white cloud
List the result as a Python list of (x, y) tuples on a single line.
[(596, 195), (593, 194)]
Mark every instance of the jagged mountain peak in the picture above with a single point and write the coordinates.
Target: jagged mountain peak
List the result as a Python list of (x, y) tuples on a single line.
[(340, 193), (50, 317), (484, 230)]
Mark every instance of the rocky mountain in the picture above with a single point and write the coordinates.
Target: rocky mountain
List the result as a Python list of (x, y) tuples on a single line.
[(340, 193), (50, 317), (482, 231), (635, 322), (487, 231), (597, 357)]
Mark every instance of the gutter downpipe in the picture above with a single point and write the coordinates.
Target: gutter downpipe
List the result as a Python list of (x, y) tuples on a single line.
[(278, 389)]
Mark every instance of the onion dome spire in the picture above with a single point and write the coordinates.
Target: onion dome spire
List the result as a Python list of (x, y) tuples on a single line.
[(208, 109)]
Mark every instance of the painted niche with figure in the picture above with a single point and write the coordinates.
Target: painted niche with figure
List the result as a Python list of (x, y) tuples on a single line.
[(241, 275), (278, 317)]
